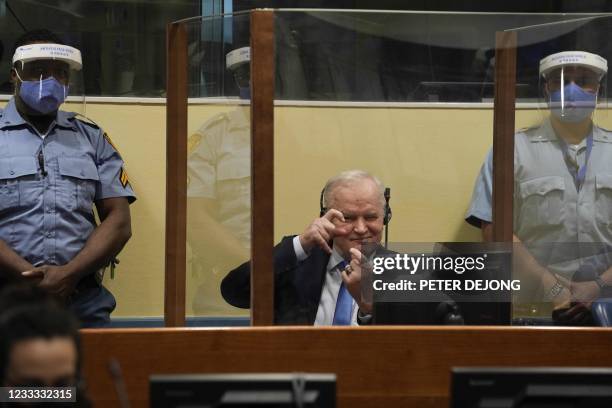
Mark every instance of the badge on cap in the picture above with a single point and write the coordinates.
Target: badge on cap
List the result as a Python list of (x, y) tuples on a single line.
[(578, 58)]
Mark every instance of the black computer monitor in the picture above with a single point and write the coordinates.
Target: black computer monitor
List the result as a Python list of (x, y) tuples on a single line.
[(452, 308), (531, 387), (243, 390)]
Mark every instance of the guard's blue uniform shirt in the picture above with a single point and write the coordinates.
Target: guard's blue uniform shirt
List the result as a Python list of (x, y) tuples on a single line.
[(48, 183), (567, 229)]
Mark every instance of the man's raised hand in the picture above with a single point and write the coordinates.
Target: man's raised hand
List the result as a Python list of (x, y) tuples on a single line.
[(322, 230), (352, 279)]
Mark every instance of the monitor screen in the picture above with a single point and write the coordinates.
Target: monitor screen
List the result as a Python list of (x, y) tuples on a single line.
[(453, 308), (531, 387), (243, 390)]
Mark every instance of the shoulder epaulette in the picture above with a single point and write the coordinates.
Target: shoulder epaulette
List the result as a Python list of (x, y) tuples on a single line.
[(603, 130), (529, 130), (84, 119)]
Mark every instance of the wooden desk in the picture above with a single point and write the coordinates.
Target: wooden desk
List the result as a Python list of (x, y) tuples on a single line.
[(375, 366)]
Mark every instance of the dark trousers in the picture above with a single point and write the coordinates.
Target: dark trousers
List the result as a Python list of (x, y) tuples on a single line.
[(93, 305)]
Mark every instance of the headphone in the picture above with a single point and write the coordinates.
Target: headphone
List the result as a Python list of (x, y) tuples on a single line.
[(386, 218)]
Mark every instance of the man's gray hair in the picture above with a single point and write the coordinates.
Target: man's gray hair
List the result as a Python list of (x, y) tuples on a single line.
[(347, 178)]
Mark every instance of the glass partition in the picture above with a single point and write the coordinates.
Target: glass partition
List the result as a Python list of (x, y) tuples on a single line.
[(391, 56), (403, 96), (408, 98), (218, 162), (391, 94), (561, 194)]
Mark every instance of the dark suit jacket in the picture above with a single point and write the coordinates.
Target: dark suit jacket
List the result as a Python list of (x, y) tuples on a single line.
[(297, 285)]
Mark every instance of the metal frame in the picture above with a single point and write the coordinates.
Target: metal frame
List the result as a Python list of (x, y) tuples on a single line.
[(262, 171), (262, 162), (176, 175), (503, 135), (262, 167)]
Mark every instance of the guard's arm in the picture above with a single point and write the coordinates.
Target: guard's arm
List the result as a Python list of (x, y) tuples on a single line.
[(107, 239), (11, 264)]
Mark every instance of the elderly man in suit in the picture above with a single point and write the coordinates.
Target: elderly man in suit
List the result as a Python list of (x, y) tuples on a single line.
[(317, 273)]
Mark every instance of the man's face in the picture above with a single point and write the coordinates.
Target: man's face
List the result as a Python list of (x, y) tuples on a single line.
[(40, 69), (44, 68), (585, 78), (242, 75), (360, 203), (41, 362)]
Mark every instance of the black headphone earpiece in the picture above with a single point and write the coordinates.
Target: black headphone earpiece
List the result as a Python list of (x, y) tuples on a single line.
[(322, 209)]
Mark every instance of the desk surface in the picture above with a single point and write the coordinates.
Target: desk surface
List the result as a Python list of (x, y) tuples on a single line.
[(375, 366)]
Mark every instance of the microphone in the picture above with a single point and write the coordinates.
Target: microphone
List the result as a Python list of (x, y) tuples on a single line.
[(115, 371), (387, 198), (448, 312)]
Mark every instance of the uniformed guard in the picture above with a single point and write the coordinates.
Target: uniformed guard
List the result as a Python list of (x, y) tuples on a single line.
[(53, 167), (219, 193), (563, 188)]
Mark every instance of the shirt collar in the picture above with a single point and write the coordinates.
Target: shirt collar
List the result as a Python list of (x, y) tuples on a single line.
[(65, 119), (12, 117), (334, 260), (580, 146)]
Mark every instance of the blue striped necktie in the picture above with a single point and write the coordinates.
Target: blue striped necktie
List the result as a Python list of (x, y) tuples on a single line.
[(344, 303)]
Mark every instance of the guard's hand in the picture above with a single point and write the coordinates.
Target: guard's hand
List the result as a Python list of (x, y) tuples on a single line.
[(323, 230), (57, 280), (577, 300), (576, 314), (352, 279), (584, 292)]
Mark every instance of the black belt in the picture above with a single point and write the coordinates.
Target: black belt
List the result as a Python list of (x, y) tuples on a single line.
[(90, 281)]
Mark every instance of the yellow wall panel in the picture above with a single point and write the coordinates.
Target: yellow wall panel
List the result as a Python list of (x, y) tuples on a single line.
[(429, 157)]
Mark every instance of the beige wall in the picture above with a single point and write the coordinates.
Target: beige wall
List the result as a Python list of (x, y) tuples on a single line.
[(139, 132), (429, 157)]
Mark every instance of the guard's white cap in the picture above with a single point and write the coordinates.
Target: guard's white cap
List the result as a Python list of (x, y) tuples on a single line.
[(237, 57), (66, 53), (580, 58)]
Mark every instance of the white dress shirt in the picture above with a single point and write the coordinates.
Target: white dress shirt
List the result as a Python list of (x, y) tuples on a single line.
[(331, 287)]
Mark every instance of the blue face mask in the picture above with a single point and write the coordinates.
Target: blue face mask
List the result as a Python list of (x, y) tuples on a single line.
[(578, 104), (44, 96)]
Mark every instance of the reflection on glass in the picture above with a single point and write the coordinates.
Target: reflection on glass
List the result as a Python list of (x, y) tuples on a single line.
[(427, 154), (382, 56), (218, 192), (561, 167)]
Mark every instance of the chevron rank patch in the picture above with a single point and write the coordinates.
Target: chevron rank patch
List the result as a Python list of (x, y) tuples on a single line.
[(193, 142), (123, 177)]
